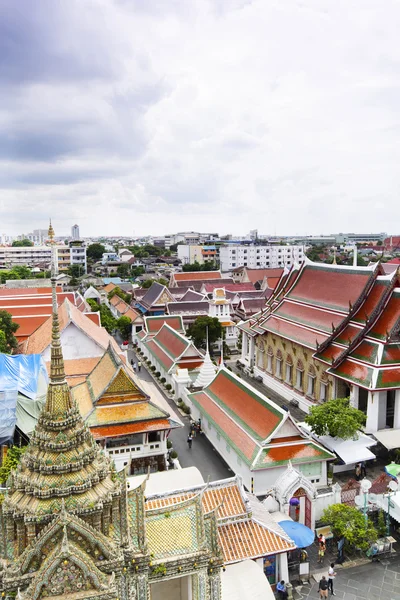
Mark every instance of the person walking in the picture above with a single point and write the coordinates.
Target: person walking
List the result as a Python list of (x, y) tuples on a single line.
[(321, 552), (189, 441), (331, 577), (139, 366), (132, 362), (358, 472), (323, 587), (363, 470), (134, 367), (281, 589)]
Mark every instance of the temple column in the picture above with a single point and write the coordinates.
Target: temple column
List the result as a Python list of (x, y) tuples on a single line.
[(115, 510), (20, 536), (244, 346), (215, 587), (97, 521), (106, 519), (143, 588), (251, 352), (396, 423), (354, 396), (283, 569), (10, 537), (30, 532), (376, 411)]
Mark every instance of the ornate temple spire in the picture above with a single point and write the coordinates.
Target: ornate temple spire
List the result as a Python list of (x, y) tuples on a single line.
[(221, 363), (58, 394)]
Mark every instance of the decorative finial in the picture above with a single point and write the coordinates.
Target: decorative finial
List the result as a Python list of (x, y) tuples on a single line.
[(221, 364), (57, 373), (64, 543)]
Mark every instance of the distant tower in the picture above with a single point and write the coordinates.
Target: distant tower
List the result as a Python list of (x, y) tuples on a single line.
[(75, 232)]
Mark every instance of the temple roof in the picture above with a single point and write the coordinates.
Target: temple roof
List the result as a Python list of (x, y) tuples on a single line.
[(153, 324), (250, 423), (169, 347)]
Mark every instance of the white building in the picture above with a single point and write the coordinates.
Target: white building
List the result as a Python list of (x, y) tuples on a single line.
[(221, 309), (259, 256), (75, 232), (190, 254), (31, 256)]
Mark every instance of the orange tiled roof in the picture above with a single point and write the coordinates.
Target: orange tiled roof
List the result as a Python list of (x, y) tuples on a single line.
[(197, 275), (109, 288), (78, 366), (228, 498), (67, 312), (128, 428), (248, 539)]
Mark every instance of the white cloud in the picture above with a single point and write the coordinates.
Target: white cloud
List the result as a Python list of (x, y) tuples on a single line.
[(207, 115)]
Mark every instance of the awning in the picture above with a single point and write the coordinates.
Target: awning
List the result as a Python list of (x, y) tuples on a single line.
[(390, 438), (349, 451), (245, 581)]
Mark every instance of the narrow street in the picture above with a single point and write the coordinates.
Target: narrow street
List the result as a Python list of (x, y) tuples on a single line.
[(202, 455)]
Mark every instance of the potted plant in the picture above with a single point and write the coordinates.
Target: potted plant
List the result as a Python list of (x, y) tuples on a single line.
[(330, 475)]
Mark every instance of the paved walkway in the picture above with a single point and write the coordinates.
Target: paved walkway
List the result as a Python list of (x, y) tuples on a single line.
[(202, 454), (373, 581)]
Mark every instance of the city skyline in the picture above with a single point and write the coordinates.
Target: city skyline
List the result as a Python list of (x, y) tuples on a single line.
[(206, 115)]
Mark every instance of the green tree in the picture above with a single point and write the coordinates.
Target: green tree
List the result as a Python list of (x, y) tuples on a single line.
[(24, 242), (108, 321), (336, 418), (124, 326), (95, 306), (121, 294), (95, 251), (8, 341), (348, 522), (22, 271), (174, 247), (10, 462), (198, 331), (148, 283), (137, 271), (124, 270), (207, 266), (76, 271)]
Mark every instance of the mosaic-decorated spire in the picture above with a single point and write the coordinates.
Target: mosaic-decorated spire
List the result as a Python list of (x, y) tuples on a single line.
[(62, 459)]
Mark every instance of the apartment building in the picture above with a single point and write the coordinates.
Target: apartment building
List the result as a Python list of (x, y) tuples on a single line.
[(259, 256), (32, 256)]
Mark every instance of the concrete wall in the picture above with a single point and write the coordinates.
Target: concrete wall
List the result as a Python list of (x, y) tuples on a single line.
[(172, 589)]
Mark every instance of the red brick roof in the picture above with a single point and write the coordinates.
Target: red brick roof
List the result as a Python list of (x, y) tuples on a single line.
[(196, 275), (154, 324), (128, 428)]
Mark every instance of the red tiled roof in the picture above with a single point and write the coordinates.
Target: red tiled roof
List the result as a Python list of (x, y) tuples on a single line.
[(28, 291), (244, 404), (391, 354), (295, 452), (171, 341), (388, 318), (94, 316), (348, 334), (196, 275), (372, 301), (154, 324), (165, 360), (388, 378), (294, 332), (128, 428), (236, 435), (308, 315), (331, 352), (258, 274), (231, 287), (330, 287), (354, 372)]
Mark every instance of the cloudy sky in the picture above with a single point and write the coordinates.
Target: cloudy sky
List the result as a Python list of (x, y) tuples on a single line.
[(152, 116)]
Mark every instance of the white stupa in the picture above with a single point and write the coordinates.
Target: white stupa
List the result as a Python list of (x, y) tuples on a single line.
[(207, 370)]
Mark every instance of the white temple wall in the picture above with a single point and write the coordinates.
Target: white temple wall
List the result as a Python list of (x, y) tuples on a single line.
[(76, 344)]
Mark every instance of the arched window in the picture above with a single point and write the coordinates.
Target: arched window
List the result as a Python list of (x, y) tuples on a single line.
[(270, 356), (311, 382), (278, 365), (323, 388), (299, 375), (289, 370)]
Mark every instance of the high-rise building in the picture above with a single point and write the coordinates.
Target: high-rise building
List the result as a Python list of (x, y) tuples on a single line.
[(75, 232)]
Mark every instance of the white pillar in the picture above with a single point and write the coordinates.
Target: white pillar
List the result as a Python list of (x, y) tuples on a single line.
[(283, 570), (376, 411), (251, 352), (396, 423), (354, 394), (244, 346)]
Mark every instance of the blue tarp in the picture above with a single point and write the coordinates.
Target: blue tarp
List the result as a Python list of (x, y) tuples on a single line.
[(23, 382)]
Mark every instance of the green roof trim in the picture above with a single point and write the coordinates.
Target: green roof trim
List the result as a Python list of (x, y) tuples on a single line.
[(158, 359)]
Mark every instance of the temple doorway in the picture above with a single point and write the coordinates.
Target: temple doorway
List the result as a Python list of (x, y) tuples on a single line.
[(300, 507), (179, 588)]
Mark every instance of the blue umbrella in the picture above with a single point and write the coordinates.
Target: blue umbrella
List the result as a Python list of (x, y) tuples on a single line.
[(301, 535)]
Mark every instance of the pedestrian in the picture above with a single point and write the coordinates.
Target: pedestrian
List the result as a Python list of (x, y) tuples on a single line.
[(321, 539), (132, 362), (323, 587), (358, 472), (321, 552), (340, 546), (134, 366), (363, 469), (281, 589), (331, 577), (193, 431), (139, 366), (189, 441)]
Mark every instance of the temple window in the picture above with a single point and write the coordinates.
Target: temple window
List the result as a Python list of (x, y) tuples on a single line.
[(289, 370), (299, 375), (269, 361), (323, 393), (278, 368), (311, 386)]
